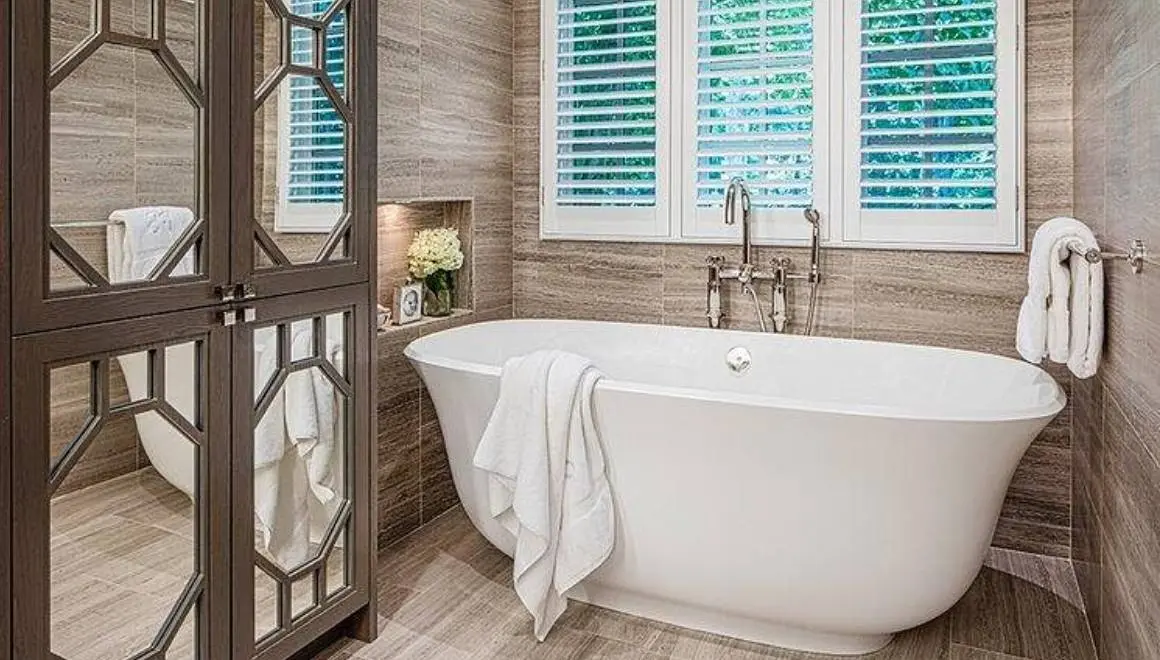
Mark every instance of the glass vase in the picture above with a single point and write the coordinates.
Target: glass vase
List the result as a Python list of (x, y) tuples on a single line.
[(440, 293)]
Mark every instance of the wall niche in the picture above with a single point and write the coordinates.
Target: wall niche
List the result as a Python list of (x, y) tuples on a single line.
[(399, 221)]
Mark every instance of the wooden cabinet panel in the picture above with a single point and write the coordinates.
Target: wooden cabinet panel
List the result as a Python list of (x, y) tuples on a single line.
[(303, 458), (138, 562), (122, 123)]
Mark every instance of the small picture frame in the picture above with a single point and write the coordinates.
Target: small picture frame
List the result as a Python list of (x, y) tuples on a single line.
[(408, 306)]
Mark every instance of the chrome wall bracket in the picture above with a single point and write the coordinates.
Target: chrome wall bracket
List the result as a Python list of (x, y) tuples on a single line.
[(1136, 256)]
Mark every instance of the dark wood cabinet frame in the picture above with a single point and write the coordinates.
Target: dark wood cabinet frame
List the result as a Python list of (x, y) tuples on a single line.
[(38, 329), (226, 164), (33, 308), (359, 468), (361, 156), (5, 351), (34, 356)]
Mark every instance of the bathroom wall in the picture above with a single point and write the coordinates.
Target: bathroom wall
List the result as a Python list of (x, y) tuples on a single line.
[(445, 132), (1117, 415), (957, 300)]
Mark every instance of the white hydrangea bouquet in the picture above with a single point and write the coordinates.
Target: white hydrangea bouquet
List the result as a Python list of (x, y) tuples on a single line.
[(433, 257)]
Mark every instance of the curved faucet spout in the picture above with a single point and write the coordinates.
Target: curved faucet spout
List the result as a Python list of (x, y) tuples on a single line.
[(735, 193)]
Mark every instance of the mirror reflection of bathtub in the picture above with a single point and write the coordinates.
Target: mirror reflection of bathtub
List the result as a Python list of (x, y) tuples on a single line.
[(174, 457), (790, 504)]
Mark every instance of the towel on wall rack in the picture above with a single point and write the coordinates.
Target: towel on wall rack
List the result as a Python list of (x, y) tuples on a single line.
[(1062, 316)]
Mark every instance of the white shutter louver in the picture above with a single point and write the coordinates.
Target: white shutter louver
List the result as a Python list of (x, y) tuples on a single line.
[(317, 146), (929, 108), (606, 103), (755, 101), (899, 121)]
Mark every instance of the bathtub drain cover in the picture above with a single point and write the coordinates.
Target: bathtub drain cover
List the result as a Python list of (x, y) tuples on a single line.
[(739, 360)]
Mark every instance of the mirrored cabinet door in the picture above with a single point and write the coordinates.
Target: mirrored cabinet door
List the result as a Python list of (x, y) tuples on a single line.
[(302, 468), (120, 204), (123, 524), (302, 218)]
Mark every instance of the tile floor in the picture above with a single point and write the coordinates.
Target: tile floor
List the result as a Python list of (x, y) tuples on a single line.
[(445, 594)]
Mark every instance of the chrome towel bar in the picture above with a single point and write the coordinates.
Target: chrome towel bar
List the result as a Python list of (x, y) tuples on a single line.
[(1136, 256)]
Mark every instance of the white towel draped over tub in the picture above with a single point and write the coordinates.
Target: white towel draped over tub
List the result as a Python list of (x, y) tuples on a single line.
[(547, 481), (1062, 317)]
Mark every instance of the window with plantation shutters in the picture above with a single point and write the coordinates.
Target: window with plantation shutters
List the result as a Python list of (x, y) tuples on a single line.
[(898, 120), (756, 99), (312, 139), (605, 129), (934, 111)]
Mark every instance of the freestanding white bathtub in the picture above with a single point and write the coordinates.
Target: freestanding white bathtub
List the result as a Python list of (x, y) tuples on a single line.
[(833, 494)]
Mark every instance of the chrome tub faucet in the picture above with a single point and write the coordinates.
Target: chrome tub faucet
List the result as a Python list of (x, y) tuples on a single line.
[(738, 198)]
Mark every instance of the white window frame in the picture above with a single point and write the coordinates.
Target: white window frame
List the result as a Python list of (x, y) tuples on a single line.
[(1002, 230), (651, 223), (676, 218)]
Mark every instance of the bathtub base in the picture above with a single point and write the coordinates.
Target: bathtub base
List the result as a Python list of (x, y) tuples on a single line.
[(719, 623)]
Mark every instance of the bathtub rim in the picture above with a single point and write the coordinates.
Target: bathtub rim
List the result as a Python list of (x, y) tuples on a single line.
[(1050, 408)]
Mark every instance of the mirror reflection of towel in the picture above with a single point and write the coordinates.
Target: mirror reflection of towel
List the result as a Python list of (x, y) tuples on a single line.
[(296, 492), (139, 239), (310, 415)]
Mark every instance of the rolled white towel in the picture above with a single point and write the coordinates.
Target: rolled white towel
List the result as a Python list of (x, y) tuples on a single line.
[(1062, 315), (1087, 317)]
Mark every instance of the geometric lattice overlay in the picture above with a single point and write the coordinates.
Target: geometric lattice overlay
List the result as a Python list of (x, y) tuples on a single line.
[(126, 554), (302, 504), (302, 127), (126, 105)]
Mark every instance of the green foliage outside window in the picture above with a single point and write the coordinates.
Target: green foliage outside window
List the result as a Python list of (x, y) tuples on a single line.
[(929, 120)]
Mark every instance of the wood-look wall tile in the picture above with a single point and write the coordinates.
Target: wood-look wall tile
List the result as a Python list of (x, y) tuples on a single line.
[(460, 77), (1042, 483), (546, 289), (1130, 540), (399, 133), (1133, 343), (1049, 59), (395, 374), (448, 135), (1087, 475), (1031, 536), (438, 488), (485, 23), (684, 283), (1133, 162), (1050, 172), (399, 451), (938, 293), (398, 472)]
